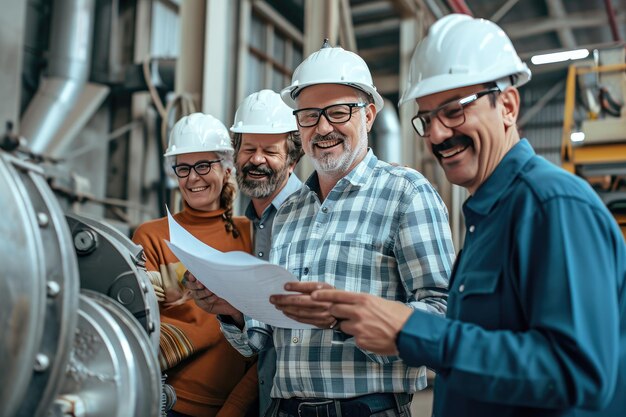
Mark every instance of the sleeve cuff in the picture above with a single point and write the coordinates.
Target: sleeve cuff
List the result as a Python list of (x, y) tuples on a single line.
[(421, 340)]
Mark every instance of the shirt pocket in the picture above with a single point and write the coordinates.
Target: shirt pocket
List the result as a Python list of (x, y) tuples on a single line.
[(290, 257), (353, 262), (479, 298)]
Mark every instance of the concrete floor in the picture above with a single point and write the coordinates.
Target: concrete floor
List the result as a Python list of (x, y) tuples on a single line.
[(422, 404)]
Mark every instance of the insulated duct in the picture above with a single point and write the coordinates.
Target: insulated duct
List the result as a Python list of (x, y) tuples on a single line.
[(68, 70), (386, 134)]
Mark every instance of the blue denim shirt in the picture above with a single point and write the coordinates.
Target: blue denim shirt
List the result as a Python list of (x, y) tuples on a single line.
[(536, 320)]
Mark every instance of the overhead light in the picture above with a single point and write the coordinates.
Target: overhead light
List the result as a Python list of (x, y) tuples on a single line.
[(577, 136), (559, 56)]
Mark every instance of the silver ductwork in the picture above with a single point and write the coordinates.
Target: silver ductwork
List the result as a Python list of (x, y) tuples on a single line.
[(387, 138), (68, 71)]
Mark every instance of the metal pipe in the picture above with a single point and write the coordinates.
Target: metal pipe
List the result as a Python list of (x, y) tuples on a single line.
[(387, 136), (612, 21), (435, 9), (556, 9), (459, 6), (68, 70)]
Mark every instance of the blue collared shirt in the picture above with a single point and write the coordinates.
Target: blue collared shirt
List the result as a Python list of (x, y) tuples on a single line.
[(381, 230), (537, 308)]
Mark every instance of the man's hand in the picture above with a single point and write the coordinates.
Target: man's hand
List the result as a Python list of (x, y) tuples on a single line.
[(301, 307), (207, 300), (373, 321)]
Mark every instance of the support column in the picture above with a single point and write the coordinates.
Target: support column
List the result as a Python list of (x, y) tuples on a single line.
[(219, 42)]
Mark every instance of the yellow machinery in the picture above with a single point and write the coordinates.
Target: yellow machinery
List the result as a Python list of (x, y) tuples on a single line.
[(599, 155)]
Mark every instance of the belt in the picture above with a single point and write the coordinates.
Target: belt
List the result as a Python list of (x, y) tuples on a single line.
[(357, 406)]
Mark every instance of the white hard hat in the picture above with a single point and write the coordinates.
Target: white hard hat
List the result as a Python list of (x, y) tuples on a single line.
[(331, 66), (264, 112), (198, 132), (460, 51)]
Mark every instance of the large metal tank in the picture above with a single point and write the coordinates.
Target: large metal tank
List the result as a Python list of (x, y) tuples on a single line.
[(79, 317)]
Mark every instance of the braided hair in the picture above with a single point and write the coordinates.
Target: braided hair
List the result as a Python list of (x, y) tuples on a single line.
[(227, 197)]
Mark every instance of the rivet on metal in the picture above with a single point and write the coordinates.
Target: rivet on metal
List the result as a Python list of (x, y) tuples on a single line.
[(53, 288), (43, 219), (42, 362)]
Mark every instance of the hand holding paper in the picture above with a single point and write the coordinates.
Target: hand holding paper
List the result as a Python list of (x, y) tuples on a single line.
[(208, 300), (237, 277)]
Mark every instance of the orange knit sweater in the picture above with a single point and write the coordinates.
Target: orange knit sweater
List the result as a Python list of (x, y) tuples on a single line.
[(209, 376)]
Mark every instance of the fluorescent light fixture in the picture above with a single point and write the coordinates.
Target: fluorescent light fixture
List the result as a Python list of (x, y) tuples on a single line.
[(559, 56), (577, 136)]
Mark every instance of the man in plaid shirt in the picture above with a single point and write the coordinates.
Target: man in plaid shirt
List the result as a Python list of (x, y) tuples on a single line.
[(359, 224)]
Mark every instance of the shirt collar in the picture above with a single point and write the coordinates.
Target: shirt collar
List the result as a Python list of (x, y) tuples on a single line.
[(357, 177), (491, 191), (293, 184)]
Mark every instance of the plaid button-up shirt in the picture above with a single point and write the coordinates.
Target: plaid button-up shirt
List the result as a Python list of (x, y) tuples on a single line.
[(381, 230)]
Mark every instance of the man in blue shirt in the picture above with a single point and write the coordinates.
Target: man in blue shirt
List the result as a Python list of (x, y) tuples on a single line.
[(536, 320)]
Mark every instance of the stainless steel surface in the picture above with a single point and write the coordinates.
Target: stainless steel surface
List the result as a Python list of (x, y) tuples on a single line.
[(145, 359), (124, 278), (40, 299), (54, 354), (60, 290), (22, 294), (101, 369)]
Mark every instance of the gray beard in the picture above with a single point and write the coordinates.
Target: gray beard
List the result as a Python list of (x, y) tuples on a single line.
[(261, 189), (326, 163)]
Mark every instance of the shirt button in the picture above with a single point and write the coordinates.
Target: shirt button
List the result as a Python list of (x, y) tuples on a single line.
[(294, 339), (306, 271), (324, 209), (461, 288), (261, 226), (260, 254), (261, 381), (472, 228)]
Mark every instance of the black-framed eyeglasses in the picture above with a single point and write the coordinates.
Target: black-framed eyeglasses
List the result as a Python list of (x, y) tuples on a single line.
[(201, 168), (450, 114), (337, 113)]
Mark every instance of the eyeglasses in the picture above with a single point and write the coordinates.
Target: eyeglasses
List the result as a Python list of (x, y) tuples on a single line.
[(201, 168), (337, 113), (451, 114)]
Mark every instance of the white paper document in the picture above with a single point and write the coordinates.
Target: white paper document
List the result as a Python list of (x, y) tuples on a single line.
[(237, 277)]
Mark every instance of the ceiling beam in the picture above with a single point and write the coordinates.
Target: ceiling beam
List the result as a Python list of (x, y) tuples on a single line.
[(268, 13), (534, 27), (368, 29), (503, 10), (381, 52), (371, 8), (556, 9)]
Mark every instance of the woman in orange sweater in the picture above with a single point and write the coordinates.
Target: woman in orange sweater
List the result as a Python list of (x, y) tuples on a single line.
[(209, 376)]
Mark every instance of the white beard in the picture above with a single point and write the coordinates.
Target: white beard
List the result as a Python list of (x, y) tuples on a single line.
[(328, 164)]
